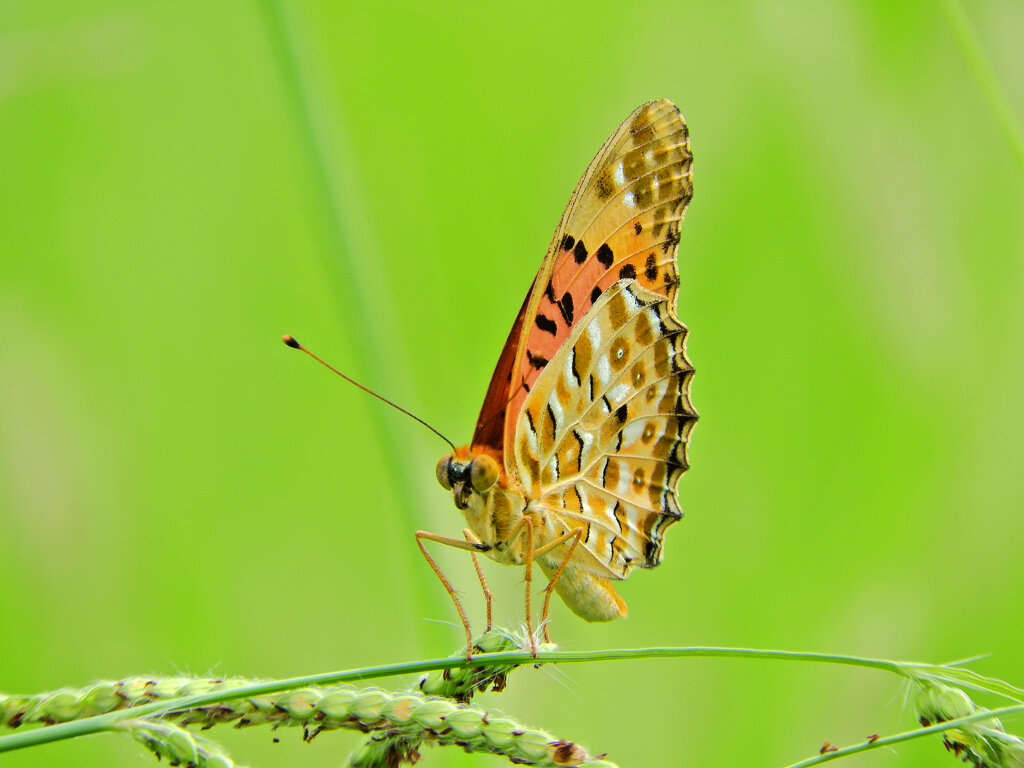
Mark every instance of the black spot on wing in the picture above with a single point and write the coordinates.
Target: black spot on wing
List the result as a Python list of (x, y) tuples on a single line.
[(638, 228), (622, 413), (652, 553), (536, 361), (572, 366), (550, 293), (605, 256), (565, 305), (671, 239), (595, 294), (568, 241), (651, 268), (546, 324), (628, 271), (579, 253)]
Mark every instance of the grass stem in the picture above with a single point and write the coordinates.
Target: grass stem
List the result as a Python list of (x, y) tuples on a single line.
[(985, 77), (107, 721)]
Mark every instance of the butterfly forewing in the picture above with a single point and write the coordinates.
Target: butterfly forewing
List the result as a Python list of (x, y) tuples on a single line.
[(622, 222), (489, 435)]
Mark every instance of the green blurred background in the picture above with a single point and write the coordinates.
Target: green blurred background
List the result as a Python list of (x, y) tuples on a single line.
[(181, 183)]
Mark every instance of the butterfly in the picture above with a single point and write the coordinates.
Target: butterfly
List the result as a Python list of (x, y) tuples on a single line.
[(584, 429)]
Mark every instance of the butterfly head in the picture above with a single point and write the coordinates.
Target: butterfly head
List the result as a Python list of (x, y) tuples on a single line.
[(464, 475)]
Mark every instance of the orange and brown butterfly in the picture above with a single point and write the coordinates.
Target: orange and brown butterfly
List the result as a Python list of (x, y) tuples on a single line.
[(584, 429)]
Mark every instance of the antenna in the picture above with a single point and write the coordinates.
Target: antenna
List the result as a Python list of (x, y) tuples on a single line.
[(294, 344)]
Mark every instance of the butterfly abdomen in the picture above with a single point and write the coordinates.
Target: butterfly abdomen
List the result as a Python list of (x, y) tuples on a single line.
[(590, 597)]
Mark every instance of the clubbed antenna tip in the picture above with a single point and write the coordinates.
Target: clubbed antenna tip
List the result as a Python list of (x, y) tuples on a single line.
[(291, 342)]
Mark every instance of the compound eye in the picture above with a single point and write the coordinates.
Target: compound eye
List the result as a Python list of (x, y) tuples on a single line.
[(483, 473), (442, 472)]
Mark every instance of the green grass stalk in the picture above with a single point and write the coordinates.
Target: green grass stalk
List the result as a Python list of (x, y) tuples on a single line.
[(985, 77), (100, 723), (917, 733)]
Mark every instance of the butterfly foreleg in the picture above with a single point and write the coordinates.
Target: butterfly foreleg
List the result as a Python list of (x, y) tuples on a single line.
[(488, 596), (576, 535), (468, 546)]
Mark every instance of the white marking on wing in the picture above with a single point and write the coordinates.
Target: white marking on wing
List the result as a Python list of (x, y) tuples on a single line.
[(567, 373), (556, 408), (594, 332), (619, 393), (633, 432), (531, 440)]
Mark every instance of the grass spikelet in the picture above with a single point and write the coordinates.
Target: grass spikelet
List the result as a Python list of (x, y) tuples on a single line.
[(461, 683), (178, 746), (447, 720), (383, 751), (983, 744)]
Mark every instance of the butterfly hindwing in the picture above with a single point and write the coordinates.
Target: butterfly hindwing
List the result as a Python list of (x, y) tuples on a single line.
[(602, 438)]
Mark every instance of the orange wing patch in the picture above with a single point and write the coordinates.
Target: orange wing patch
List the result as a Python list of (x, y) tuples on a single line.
[(488, 437)]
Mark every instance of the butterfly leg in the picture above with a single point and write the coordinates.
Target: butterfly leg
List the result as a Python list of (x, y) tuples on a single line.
[(488, 596), (575, 534), (468, 546), (525, 527)]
